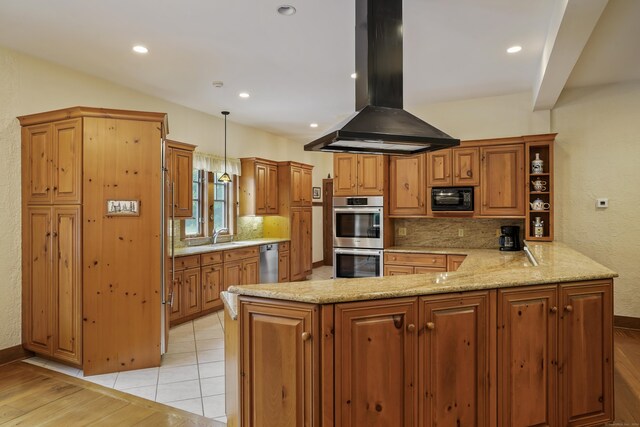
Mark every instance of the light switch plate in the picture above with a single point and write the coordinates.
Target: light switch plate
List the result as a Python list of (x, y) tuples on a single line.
[(602, 203), (460, 232)]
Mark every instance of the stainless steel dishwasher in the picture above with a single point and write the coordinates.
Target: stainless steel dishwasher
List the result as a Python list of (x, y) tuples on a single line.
[(269, 263)]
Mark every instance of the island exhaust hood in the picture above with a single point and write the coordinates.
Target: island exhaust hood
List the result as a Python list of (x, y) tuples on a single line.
[(380, 125)]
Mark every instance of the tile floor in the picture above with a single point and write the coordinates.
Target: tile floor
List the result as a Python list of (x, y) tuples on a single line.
[(191, 375)]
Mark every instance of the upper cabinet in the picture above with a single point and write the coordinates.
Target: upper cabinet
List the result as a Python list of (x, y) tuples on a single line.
[(301, 185), (179, 159), (453, 167), (259, 187), (502, 180), (407, 185), (52, 166), (359, 174)]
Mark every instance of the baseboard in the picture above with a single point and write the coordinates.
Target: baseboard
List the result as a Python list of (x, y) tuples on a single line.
[(11, 354), (318, 263), (626, 322)]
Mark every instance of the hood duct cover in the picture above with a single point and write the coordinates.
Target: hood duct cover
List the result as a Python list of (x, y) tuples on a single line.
[(380, 124)]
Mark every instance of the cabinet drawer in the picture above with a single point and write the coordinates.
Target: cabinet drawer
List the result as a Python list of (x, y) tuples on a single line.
[(211, 258), (185, 262), (422, 270), (419, 260), (283, 246), (243, 253)]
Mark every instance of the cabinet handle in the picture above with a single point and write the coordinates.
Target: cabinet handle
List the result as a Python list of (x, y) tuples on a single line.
[(431, 326), (55, 234), (306, 336), (554, 309), (411, 327), (568, 308)]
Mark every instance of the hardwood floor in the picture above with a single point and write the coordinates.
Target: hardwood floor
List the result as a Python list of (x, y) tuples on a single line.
[(30, 395), (34, 396)]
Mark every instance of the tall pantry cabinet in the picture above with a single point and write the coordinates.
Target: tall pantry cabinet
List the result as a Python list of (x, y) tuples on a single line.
[(86, 299)]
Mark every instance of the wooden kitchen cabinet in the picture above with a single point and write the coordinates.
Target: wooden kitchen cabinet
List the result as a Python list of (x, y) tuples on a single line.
[(258, 187), (241, 267), (191, 291), (466, 167), (586, 354), (376, 366), (52, 285), (454, 262), (527, 356), (454, 360), (284, 258), (359, 174), (279, 356), (439, 168), (212, 284), (307, 187), (413, 263), (502, 180), (407, 185), (301, 261), (179, 159)]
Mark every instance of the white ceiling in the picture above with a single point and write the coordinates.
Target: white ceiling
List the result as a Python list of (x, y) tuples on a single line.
[(295, 68)]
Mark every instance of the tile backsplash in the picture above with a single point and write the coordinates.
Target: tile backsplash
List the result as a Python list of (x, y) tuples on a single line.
[(248, 228), (443, 232)]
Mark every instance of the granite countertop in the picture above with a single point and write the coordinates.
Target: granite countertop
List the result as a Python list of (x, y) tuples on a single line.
[(482, 269), (195, 250), (230, 303)]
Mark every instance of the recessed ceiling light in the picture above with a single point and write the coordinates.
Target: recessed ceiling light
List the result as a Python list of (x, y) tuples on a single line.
[(286, 10), (514, 49), (313, 125), (243, 95), (354, 75), (140, 49)]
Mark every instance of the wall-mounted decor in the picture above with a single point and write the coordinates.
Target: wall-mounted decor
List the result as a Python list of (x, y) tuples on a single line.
[(316, 192), (123, 207)]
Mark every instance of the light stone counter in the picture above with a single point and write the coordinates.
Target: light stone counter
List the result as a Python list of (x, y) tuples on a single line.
[(482, 269), (230, 303), (201, 249)]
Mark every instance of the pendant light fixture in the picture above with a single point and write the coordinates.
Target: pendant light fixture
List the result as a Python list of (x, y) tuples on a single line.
[(225, 178)]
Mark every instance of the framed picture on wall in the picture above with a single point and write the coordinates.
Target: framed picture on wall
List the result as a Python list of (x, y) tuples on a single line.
[(123, 207), (317, 191)]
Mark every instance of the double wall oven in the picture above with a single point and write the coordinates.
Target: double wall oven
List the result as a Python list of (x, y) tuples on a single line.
[(358, 236)]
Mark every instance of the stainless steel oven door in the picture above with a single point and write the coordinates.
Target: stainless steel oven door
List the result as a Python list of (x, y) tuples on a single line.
[(358, 227), (350, 263)]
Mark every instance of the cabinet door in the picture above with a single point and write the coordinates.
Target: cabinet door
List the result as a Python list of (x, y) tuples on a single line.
[(527, 357), (67, 284), (182, 163), (371, 174), (454, 360), (439, 168), (466, 167), (280, 357), (397, 270), (376, 363), (502, 180), (272, 189), (191, 291), (306, 187), (345, 171), (250, 271), (297, 268), (586, 346), (283, 267), (211, 286), (261, 188), (407, 185), (232, 274), (454, 262), (306, 244), (177, 296), (67, 162), (37, 153), (37, 279), (296, 186)]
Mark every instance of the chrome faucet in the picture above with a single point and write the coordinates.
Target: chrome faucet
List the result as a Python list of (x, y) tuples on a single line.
[(216, 233)]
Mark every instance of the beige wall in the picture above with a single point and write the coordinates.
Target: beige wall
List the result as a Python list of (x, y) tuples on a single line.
[(29, 85), (597, 155)]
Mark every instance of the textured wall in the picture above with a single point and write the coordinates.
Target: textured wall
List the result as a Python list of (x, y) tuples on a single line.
[(443, 232), (29, 85)]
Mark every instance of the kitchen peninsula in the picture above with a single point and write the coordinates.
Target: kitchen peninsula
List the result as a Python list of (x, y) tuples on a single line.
[(504, 340)]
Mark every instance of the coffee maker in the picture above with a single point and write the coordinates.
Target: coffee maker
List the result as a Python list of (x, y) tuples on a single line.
[(510, 238)]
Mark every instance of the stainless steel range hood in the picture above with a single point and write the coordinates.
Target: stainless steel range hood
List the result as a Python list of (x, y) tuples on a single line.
[(380, 124)]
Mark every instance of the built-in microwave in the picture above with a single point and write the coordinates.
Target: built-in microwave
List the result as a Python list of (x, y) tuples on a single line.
[(452, 199), (358, 222)]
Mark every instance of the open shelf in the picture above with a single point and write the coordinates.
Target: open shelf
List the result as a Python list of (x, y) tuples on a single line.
[(544, 148)]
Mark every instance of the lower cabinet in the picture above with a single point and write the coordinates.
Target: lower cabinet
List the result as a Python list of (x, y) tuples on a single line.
[(525, 356), (301, 264), (186, 294), (242, 272), (212, 282), (279, 356), (376, 364), (283, 265)]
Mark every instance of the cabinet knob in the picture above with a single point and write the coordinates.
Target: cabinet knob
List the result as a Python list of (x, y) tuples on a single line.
[(431, 325), (554, 309), (411, 327), (306, 336), (568, 308)]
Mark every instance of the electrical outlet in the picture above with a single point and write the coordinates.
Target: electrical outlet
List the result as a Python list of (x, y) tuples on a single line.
[(460, 232), (602, 203), (402, 231)]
